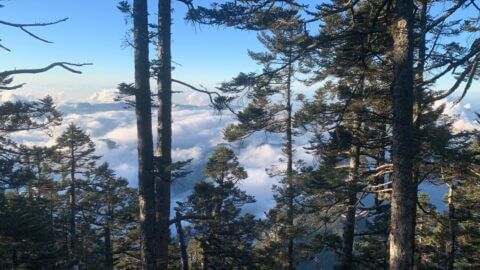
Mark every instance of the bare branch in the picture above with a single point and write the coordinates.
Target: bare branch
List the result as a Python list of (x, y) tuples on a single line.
[(5, 48), (12, 87), (65, 65), (24, 26), (210, 94)]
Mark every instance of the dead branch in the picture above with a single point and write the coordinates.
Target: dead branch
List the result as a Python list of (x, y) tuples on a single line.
[(24, 26)]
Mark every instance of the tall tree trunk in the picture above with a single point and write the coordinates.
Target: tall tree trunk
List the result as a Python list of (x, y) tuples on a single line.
[(416, 181), (183, 247), (452, 229), (205, 258), (349, 227), (107, 231), (417, 117), (143, 110), (73, 212), (164, 131), (108, 248), (403, 188), (289, 152), (381, 178), (14, 259)]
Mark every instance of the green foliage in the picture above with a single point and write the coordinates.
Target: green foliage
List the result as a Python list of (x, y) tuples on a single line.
[(225, 234), (58, 208), (25, 234)]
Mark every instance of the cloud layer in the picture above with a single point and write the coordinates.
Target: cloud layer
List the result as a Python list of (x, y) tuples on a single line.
[(196, 133)]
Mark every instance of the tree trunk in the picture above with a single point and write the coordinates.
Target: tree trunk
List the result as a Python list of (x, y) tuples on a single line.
[(108, 249), (205, 258), (73, 212), (349, 227), (381, 178), (183, 247), (416, 253), (417, 117), (143, 110), (451, 227), (290, 180), (164, 131), (14, 259), (108, 242), (403, 188)]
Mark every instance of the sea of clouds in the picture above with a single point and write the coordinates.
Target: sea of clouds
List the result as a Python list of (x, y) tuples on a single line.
[(197, 132)]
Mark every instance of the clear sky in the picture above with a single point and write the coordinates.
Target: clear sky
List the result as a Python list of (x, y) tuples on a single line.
[(95, 32)]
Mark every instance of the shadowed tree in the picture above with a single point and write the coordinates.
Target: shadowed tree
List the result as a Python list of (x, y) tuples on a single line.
[(225, 234), (163, 153), (143, 110), (109, 204), (76, 159)]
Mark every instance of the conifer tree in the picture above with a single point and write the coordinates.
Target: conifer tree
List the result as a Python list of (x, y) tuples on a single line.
[(347, 117), (109, 205), (225, 234), (76, 160), (24, 234), (264, 113)]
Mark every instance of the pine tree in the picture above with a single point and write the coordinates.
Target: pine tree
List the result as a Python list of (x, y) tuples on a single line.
[(76, 160), (348, 116), (280, 64), (225, 234), (24, 233), (109, 205)]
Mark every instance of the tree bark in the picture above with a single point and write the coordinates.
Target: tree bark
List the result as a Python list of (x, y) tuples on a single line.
[(73, 212), (164, 131), (417, 116), (381, 178), (108, 248), (183, 247), (14, 259), (289, 152), (349, 227), (452, 229), (143, 110), (107, 233), (403, 188), (205, 258)]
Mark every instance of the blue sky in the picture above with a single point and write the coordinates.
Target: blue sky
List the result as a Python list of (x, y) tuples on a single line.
[(95, 32)]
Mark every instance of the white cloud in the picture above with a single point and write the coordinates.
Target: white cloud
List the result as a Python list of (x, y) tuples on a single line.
[(9, 96), (259, 156), (197, 99), (123, 134), (104, 96), (194, 153), (197, 131), (461, 120), (464, 125)]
